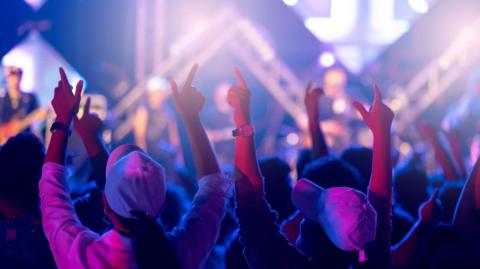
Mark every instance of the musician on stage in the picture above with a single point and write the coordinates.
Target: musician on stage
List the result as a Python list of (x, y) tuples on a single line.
[(15, 105), (154, 128), (337, 118)]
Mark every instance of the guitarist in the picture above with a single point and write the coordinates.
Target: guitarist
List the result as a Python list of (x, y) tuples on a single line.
[(15, 105)]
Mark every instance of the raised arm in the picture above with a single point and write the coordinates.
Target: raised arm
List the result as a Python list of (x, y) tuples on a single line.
[(201, 225), (379, 120), (188, 103), (89, 127), (403, 252), (65, 104), (312, 98), (265, 246), (246, 164), (62, 228), (440, 146), (467, 213), (454, 138)]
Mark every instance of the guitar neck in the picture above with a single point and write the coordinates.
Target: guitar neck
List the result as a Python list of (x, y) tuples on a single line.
[(36, 115)]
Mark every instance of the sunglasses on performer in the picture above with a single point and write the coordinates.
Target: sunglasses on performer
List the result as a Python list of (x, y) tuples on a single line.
[(14, 73)]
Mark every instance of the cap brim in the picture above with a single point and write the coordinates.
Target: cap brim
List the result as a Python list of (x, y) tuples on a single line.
[(306, 196)]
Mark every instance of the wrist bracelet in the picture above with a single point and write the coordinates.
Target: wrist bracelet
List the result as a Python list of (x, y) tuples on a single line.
[(244, 130), (58, 126)]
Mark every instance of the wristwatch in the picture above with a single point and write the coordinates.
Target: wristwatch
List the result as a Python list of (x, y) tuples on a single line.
[(244, 130), (58, 126)]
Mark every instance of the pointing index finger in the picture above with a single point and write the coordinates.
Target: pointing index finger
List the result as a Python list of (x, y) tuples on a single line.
[(240, 79), (191, 75), (174, 87), (378, 94), (309, 86), (86, 109), (78, 90), (63, 76)]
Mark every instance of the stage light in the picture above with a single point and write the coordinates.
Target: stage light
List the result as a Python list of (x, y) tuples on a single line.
[(420, 6), (396, 104), (292, 139), (405, 148), (290, 2), (327, 59), (36, 4), (339, 106), (356, 30), (339, 25), (157, 83)]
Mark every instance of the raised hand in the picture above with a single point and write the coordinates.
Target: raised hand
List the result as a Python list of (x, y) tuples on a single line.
[(426, 130), (239, 99), (379, 118), (311, 100), (64, 102), (443, 153), (89, 125), (404, 252), (426, 211), (247, 172), (188, 102)]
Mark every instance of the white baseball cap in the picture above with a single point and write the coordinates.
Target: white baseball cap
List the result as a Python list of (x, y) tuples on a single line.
[(135, 182), (345, 214)]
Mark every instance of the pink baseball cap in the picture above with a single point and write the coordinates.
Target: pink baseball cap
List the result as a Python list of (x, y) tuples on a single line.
[(135, 182), (345, 214)]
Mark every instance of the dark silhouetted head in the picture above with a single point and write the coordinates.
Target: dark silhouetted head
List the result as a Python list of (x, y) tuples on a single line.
[(278, 186), (21, 160), (360, 158), (176, 205), (410, 187), (304, 158), (449, 195), (316, 245), (447, 246), (328, 172)]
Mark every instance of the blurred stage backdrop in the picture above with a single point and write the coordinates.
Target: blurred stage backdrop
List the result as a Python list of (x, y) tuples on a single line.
[(418, 51)]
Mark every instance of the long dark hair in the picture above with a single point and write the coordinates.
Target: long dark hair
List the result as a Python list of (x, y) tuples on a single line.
[(152, 249)]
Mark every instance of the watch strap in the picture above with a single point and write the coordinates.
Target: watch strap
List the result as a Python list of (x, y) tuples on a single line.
[(244, 130), (58, 126)]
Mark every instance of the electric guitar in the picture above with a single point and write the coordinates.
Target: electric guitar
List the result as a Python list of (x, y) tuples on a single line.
[(15, 126)]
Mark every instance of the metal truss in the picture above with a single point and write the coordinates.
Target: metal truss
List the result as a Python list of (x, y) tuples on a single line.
[(196, 47), (437, 77), (244, 40)]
